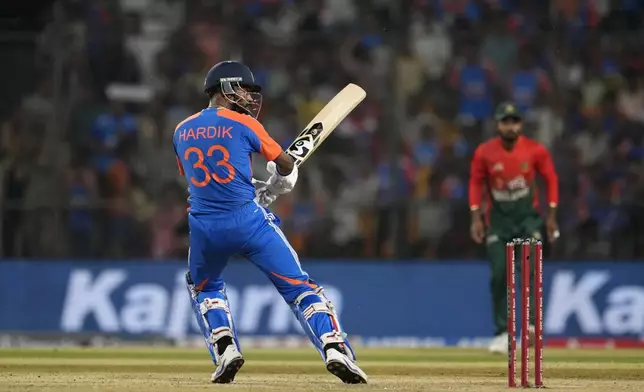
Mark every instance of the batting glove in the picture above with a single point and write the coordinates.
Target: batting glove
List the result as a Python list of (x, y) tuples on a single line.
[(279, 184), (263, 196)]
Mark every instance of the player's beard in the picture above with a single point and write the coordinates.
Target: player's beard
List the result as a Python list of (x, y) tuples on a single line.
[(245, 102), (509, 137), (250, 106)]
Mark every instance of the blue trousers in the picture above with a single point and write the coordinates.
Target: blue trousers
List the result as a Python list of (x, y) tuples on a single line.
[(253, 232)]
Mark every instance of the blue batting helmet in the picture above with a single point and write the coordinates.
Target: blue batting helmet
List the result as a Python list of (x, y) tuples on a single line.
[(227, 74)]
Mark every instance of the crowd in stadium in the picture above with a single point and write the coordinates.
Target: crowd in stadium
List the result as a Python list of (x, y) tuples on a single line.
[(391, 181)]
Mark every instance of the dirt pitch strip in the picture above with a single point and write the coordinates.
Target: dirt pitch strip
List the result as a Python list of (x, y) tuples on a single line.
[(295, 370)]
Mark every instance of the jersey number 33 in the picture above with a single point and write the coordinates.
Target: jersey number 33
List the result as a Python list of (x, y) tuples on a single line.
[(207, 175)]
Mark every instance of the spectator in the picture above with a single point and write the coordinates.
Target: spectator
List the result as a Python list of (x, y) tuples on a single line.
[(155, 161), (110, 130), (549, 122), (592, 144), (593, 90), (631, 99), (166, 219), (410, 73), (83, 195), (431, 45), (500, 46), (13, 181), (474, 78), (529, 83), (118, 185), (39, 105), (427, 148), (568, 68), (390, 180), (21, 179)]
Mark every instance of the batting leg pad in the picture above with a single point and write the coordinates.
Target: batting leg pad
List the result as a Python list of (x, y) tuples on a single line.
[(213, 316), (319, 320)]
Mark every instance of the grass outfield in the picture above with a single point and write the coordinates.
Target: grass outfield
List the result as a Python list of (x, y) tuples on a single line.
[(295, 370)]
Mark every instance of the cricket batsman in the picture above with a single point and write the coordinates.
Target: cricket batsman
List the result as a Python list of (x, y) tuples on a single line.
[(507, 166), (227, 217)]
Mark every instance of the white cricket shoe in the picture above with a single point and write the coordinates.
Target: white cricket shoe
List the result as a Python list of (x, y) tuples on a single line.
[(499, 344), (229, 364), (344, 368)]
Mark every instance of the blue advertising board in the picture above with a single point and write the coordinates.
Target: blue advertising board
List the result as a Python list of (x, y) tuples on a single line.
[(444, 302)]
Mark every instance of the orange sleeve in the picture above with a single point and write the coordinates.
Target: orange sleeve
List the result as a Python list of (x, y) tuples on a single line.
[(268, 147), (477, 178), (546, 168)]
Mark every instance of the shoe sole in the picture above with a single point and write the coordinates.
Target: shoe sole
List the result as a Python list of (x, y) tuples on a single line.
[(342, 371), (229, 373)]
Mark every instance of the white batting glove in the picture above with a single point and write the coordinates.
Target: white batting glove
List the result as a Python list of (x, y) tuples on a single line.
[(279, 184), (258, 183), (263, 196)]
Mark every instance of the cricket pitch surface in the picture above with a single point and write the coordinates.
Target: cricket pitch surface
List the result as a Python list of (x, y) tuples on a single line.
[(299, 370)]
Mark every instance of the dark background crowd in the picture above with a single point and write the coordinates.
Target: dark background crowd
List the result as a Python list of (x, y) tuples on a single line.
[(90, 102)]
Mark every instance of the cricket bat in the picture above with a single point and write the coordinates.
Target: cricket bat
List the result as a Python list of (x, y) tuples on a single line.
[(325, 122)]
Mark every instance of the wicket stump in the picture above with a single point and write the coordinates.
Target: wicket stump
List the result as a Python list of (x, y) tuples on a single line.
[(527, 246)]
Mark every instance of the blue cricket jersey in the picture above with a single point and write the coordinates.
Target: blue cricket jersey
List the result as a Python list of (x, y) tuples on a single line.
[(475, 91), (214, 150), (524, 87)]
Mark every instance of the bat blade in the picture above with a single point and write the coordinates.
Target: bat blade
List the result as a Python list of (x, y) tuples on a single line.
[(325, 122)]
